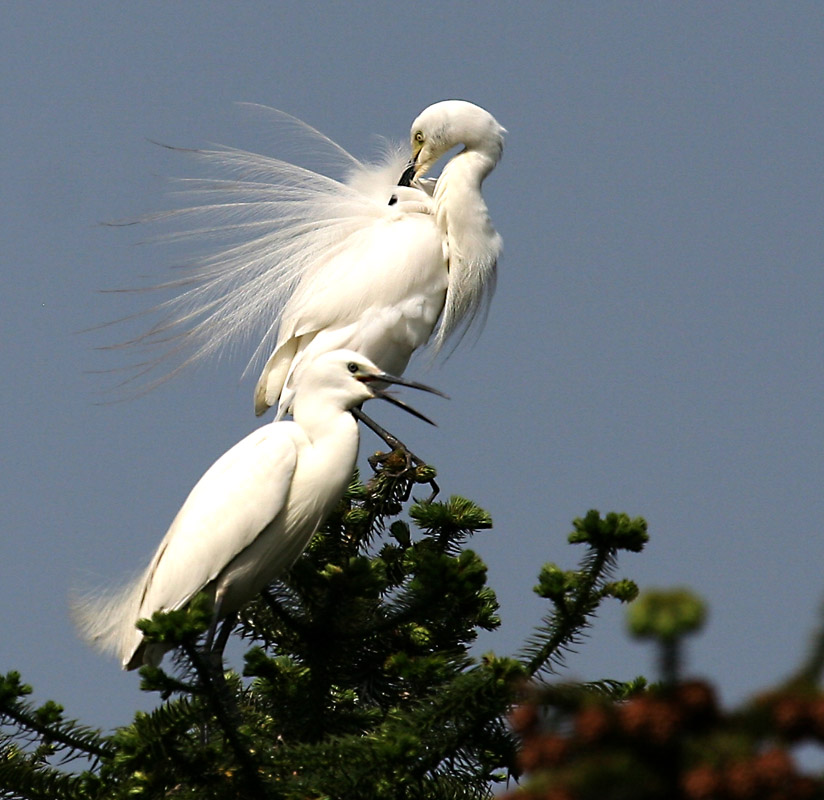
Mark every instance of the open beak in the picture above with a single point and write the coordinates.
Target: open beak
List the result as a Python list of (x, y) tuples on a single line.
[(384, 377), (408, 174)]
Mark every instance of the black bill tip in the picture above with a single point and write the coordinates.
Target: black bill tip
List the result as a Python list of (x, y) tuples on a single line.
[(400, 404), (408, 175)]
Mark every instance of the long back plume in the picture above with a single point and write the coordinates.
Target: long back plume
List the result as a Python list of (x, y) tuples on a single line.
[(262, 226)]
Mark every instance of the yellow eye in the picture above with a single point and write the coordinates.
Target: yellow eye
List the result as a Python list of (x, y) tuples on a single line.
[(419, 137)]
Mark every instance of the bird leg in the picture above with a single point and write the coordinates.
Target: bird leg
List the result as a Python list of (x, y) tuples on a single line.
[(380, 459), (223, 637), (213, 647)]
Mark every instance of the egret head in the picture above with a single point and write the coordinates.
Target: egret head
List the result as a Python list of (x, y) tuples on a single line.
[(349, 378), (443, 125)]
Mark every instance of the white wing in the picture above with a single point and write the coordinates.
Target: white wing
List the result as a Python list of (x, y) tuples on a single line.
[(380, 292), (238, 497), (241, 494)]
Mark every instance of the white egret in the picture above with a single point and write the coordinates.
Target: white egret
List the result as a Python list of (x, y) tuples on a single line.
[(364, 263), (253, 511)]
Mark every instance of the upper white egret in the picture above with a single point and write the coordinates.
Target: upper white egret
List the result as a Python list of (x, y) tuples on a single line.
[(253, 511), (364, 263)]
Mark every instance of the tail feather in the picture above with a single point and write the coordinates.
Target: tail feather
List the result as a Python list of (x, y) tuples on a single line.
[(107, 619)]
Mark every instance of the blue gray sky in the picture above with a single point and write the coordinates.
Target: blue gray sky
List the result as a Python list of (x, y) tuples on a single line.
[(654, 347)]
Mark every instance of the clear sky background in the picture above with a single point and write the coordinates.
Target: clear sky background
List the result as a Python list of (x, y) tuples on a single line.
[(654, 347)]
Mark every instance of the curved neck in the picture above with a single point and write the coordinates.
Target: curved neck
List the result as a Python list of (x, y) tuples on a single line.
[(468, 169), (473, 245), (461, 211)]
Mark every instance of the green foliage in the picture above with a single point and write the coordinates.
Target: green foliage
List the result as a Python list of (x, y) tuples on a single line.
[(576, 594), (666, 614), (40, 734), (614, 531), (358, 680), (177, 627), (666, 617)]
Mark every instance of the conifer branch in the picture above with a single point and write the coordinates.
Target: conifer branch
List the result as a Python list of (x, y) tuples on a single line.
[(228, 717), (361, 684), (576, 594), (47, 721)]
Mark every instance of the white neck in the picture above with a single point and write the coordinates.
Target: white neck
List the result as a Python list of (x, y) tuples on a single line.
[(322, 472), (473, 243), (319, 416), (461, 211), (327, 464)]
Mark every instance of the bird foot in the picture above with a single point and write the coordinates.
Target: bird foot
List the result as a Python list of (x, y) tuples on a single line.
[(402, 465)]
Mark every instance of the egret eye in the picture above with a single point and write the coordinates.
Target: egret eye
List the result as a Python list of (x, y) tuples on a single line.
[(419, 137), (352, 367)]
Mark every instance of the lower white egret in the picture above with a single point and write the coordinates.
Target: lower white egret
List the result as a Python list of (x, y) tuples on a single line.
[(363, 263), (252, 513)]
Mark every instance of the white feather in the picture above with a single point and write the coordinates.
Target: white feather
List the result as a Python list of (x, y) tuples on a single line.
[(250, 515), (301, 256)]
